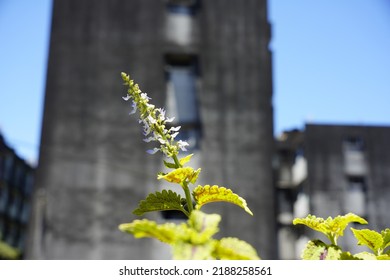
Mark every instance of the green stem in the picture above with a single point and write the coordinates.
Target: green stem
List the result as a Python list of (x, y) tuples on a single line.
[(185, 186), (188, 197)]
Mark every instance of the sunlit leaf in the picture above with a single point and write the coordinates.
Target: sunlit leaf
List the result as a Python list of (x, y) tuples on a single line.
[(384, 257), (204, 225), (160, 201), (369, 238), (186, 159), (235, 249), (180, 175), (206, 194), (188, 251), (318, 250), (365, 256), (167, 233), (332, 228), (386, 238)]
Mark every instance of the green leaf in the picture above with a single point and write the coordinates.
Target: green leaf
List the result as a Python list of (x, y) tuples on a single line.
[(167, 233), (332, 228), (231, 248), (169, 164), (365, 256), (206, 194), (318, 250), (8, 252), (348, 256), (384, 257), (187, 251), (180, 175), (369, 238), (386, 238), (186, 159), (160, 201), (204, 226)]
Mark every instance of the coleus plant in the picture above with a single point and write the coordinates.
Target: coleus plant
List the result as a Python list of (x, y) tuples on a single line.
[(333, 228), (192, 239)]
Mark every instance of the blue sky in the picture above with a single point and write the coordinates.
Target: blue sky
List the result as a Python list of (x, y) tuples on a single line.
[(331, 62)]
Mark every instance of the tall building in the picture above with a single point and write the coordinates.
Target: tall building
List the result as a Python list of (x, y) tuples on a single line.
[(208, 63), (330, 170), (16, 187)]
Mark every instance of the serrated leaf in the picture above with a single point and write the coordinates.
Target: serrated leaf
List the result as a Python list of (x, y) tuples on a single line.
[(318, 250), (386, 238), (204, 225), (348, 256), (167, 233), (160, 201), (169, 164), (369, 238), (180, 175), (187, 251), (186, 159), (231, 248), (365, 256), (332, 228), (206, 194)]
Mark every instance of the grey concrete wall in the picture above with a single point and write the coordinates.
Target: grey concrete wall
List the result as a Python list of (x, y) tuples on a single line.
[(93, 169), (327, 180)]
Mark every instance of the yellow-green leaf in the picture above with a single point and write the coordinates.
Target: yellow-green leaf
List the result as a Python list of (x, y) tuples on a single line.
[(332, 228), (369, 238), (167, 233), (160, 201), (386, 238), (318, 250), (188, 251), (365, 256), (231, 248), (8, 252), (180, 175), (385, 257), (186, 159), (206, 194), (204, 225)]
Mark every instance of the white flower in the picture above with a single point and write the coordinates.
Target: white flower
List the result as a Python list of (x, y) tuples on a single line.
[(182, 145), (134, 106), (152, 152)]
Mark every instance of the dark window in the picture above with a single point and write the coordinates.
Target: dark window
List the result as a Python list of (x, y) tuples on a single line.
[(354, 143), (182, 75), (356, 196)]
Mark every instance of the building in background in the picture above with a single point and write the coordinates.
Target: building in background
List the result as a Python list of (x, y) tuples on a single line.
[(207, 62), (330, 170), (16, 187)]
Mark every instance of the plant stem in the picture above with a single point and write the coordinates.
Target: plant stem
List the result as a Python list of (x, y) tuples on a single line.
[(188, 197), (185, 187)]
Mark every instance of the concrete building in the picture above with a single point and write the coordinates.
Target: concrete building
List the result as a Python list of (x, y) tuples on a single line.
[(208, 62), (342, 169), (16, 187)]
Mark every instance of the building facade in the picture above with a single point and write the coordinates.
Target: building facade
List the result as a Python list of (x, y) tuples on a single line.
[(341, 169), (16, 187), (208, 63)]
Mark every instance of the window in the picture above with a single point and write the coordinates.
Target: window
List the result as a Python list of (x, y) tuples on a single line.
[(355, 196), (354, 156), (182, 77), (354, 143), (181, 28), (9, 161)]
